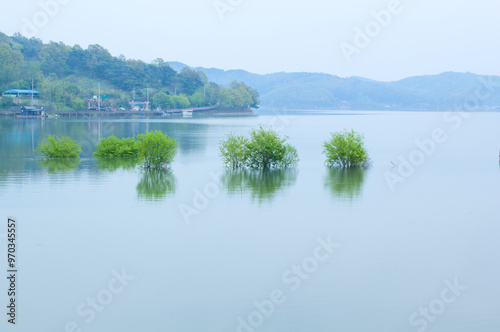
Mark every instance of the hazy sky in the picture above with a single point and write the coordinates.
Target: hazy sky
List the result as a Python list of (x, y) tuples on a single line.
[(340, 37)]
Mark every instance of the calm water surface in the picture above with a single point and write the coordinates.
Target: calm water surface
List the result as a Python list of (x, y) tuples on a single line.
[(104, 246)]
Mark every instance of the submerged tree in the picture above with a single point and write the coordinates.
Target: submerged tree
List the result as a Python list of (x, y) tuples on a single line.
[(115, 147), (156, 149), (59, 147), (233, 151), (346, 149), (264, 149)]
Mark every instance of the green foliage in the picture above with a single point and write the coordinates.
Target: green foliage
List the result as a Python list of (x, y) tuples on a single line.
[(61, 94), (114, 147), (54, 58), (61, 147), (191, 80), (6, 102), (156, 149), (180, 101), (233, 150), (197, 99), (11, 65), (249, 97), (346, 149), (78, 104), (63, 74), (162, 100), (264, 149), (238, 95)]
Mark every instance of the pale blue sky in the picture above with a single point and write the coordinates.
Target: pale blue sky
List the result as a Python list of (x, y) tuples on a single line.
[(264, 36)]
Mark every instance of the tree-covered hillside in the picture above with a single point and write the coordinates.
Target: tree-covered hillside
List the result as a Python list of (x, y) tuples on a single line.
[(68, 76)]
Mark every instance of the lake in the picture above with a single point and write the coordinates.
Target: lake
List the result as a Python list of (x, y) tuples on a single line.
[(410, 244)]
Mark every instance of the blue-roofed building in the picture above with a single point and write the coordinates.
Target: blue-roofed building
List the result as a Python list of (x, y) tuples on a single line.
[(18, 92)]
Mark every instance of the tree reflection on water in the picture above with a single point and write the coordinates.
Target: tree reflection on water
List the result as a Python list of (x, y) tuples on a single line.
[(114, 164), (155, 184), (345, 182), (261, 184), (59, 165)]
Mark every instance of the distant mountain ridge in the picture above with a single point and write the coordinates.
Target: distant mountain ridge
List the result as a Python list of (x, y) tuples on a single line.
[(449, 90)]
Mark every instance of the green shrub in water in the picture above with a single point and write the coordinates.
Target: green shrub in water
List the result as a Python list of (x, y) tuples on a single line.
[(265, 149), (59, 147), (346, 149), (233, 151), (156, 149), (115, 147)]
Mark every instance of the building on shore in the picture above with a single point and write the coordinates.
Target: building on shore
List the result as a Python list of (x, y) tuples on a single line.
[(96, 104), (139, 105), (32, 112), (18, 93), (19, 96)]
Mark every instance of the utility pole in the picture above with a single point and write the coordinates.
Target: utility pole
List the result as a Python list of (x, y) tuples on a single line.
[(147, 98), (99, 98), (133, 99), (32, 87)]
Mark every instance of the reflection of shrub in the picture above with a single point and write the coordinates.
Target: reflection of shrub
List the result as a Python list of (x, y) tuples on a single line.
[(60, 165), (262, 184), (346, 149), (62, 147), (264, 149), (345, 182), (114, 147), (156, 149), (155, 184), (114, 164)]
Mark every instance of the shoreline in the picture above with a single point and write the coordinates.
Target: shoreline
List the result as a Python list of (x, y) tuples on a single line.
[(134, 114)]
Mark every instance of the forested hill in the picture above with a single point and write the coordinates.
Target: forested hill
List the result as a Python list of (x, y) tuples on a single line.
[(314, 90), (68, 76)]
